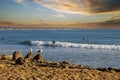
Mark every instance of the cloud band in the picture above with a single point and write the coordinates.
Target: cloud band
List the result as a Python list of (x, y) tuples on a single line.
[(79, 6)]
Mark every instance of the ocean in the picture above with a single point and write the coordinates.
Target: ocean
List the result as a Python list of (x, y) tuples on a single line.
[(95, 47)]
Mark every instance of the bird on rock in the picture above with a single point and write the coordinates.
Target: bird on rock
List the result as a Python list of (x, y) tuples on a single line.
[(40, 51)]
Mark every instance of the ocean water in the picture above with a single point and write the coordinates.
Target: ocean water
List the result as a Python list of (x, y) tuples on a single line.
[(96, 48)]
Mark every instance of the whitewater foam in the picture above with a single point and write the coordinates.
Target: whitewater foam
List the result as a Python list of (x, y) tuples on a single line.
[(75, 45)]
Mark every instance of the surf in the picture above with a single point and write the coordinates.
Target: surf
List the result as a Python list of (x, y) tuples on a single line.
[(71, 45)]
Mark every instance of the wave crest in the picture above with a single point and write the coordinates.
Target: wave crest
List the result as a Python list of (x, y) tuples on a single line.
[(28, 42), (75, 45)]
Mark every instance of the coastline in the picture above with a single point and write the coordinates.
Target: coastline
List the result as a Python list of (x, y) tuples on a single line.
[(55, 27), (34, 70)]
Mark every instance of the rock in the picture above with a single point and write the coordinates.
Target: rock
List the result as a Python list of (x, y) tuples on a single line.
[(16, 55), (43, 65), (110, 68), (39, 57), (20, 61), (117, 70), (65, 62), (5, 56), (53, 64), (103, 69), (29, 55)]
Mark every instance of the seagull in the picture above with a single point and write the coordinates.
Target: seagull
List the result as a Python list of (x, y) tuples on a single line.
[(40, 51), (31, 50)]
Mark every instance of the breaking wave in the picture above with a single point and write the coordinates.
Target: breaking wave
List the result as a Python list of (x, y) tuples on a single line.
[(28, 42), (72, 45)]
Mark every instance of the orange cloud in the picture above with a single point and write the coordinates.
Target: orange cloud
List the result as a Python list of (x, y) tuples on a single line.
[(6, 22), (80, 6), (93, 3)]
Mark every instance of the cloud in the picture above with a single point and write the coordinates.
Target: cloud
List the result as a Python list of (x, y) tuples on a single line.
[(80, 6), (59, 15), (22, 2), (19, 1), (100, 6), (113, 21), (6, 22), (39, 9)]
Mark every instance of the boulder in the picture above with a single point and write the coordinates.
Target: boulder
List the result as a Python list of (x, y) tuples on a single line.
[(20, 61), (103, 69), (65, 62), (54, 64), (16, 55), (5, 56), (38, 57), (29, 55)]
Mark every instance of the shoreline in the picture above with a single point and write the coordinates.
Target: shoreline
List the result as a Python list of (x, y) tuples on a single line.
[(54, 28), (35, 70)]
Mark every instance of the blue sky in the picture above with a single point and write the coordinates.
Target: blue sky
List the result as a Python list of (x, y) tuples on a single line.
[(29, 12)]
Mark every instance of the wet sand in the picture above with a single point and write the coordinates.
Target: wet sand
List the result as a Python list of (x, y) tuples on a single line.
[(35, 70)]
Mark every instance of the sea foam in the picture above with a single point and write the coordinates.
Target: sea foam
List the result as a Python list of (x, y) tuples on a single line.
[(75, 45)]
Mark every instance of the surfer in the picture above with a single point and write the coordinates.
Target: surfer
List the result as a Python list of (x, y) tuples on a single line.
[(88, 39), (83, 39), (53, 42)]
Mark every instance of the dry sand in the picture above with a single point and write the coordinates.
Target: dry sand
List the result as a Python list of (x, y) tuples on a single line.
[(34, 71)]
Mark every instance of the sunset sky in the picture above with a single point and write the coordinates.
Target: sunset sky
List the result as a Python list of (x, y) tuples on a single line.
[(59, 12)]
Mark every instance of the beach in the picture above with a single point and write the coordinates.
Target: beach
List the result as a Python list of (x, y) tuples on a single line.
[(34, 70), (74, 55)]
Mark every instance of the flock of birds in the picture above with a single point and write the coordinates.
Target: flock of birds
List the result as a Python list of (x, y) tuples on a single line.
[(39, 51)]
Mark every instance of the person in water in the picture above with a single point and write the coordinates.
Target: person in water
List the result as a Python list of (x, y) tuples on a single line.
[(53, 42)]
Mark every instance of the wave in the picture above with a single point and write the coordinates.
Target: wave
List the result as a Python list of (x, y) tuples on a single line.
[(28, 42), (74, 45)]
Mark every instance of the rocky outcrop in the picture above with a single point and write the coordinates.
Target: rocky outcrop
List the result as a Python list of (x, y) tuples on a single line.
[(108, 69), (29, 55), (16, 55), (38, 57), (5, 56), (20, 61)]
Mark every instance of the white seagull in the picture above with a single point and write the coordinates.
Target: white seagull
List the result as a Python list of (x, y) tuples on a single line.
[(40, 51), (31, 50)]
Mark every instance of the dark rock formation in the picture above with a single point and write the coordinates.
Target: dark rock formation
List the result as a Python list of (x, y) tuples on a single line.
[(103, 69), (5, 56), (65, 62), (29, 55), (108, 69), (54, 64), (39, 57), (20, 61), (16, 55)]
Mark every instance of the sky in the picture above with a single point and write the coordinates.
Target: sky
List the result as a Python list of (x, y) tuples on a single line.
[(60, 13)]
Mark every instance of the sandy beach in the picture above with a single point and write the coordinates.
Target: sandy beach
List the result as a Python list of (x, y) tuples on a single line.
[(35, 70)]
